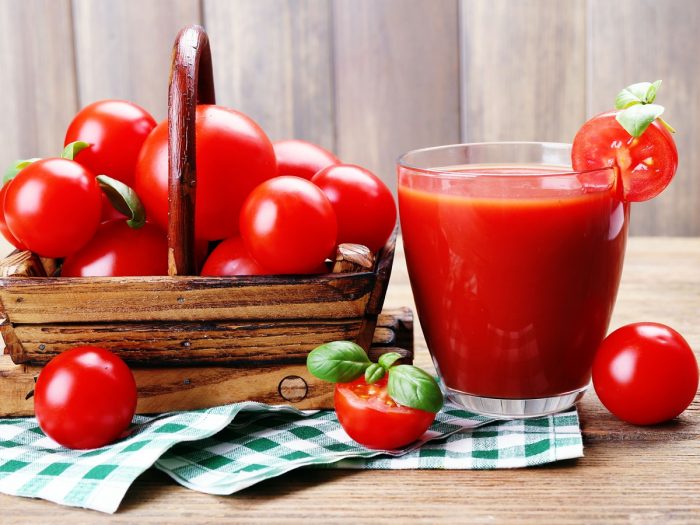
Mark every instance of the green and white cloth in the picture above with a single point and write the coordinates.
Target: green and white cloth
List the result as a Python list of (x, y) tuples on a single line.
[(225, 449)]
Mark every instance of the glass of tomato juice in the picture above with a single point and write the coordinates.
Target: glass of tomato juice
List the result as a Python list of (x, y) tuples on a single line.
[(514, 261)]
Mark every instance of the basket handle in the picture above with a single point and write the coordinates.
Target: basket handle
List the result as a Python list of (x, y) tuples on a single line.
[(191, 83)]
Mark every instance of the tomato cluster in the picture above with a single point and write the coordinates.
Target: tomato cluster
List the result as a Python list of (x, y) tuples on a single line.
[(273, 208)]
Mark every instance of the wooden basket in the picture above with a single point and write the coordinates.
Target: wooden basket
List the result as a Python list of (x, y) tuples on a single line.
[(196, 341)]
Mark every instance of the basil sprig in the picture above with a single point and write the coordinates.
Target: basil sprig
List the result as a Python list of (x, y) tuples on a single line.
[(345, 361), (638, 109)]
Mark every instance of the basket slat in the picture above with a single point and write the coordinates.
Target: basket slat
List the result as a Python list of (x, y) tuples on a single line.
[(111, 299), (251, 344)]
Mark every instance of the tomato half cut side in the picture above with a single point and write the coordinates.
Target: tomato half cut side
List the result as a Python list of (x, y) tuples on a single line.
[(647, 163), (369, 415)]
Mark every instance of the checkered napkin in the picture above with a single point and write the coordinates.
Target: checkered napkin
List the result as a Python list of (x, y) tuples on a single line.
[(225, 449)]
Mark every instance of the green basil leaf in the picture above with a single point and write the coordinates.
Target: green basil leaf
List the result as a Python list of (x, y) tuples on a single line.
[(338, 362), (374, 373), (124, 200), (651, 92), (72, 149), (636, 119), (415, 388), (16, 167), (387, 360)]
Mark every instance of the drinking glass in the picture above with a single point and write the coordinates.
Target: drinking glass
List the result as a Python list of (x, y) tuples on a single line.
[(515, 261)]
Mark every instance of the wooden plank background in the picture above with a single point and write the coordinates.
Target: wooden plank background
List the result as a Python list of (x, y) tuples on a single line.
[(368, 79)]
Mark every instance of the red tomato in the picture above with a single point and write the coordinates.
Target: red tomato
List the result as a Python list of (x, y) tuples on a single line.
[(647, 163), (233, 156), (231, 257), (3, 224), (118, 250), (373, 419), (645, 373), (53, 206), (301, 159), (115, 130), (363, 205), (109, 212), (288, 225), (85, 397)]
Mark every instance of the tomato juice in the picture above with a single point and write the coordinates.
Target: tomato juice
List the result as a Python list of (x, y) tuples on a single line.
[(515, 270)]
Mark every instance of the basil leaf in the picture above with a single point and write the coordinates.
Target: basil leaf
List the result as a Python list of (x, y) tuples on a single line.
[(374, 373), (72, 149), (651, 92), (415, 388), (636, 119), (338, 362), (16, 167), (387, 360), (124, 200)]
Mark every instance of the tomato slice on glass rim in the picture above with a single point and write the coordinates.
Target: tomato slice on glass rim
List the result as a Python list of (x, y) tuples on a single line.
[(372, 418), (647, 163)]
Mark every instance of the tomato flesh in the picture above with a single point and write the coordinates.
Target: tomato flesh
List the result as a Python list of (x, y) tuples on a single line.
[(645, 373), (369, 415), (646, 163), (85, 398)]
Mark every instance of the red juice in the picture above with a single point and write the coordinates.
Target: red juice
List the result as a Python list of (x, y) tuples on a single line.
[(515, 271)]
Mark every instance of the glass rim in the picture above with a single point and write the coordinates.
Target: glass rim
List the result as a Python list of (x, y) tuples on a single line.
[(438, 172)]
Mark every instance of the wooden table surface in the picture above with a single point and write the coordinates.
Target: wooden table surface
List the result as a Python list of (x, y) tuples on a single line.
[(628, 475)]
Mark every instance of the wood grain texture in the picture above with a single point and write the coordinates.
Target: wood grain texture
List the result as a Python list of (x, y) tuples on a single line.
[(191, 83), (123, 48), (122, 299), (628, 475), (642, 40), (396, 79), (273, 61), (523, 70), (251, 344), (38, 87)]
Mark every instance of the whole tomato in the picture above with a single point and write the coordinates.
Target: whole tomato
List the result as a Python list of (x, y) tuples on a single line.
[(233, 156), (645, 373), (231, 257), (118, 250), (85, 397), (3, 224), (301, 159), (115, 130), (288, 226), (363, 204), (53, 207), (373, 419)]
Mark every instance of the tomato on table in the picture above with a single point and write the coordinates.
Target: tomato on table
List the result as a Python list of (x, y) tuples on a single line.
[(85, 397), (647, 163), (53, 207), (645, 373), (231, 257), (301, 158), (115, 130), (117, 250), (233, 156), (288, 225), (363, 204), (373, 419)]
